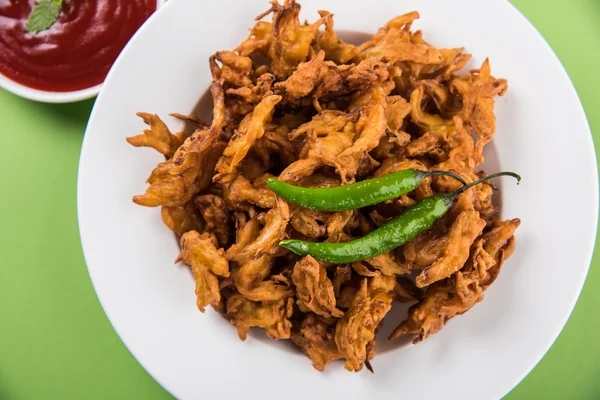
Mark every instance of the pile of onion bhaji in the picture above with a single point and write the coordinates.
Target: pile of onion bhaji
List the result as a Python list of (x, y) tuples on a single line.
[(296, 102)]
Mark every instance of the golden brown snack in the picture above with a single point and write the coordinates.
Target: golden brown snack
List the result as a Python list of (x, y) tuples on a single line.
[(302, 81), (254, 93), (317, 341), (250, 280), (295, 102), (250, 129), (235, 69), (247, 230), (388, 264), (158, 136), (176, 180), (394, 42), (346, 296), (275, 143), (357, 327), (341, 274), (338, 225), (335, 48), (276, 220), (314, 290), (199, 251), (240, 193), (182, 219), (374, 124), (426, 248), (478, 90), (254, 254), (363, 269), (273, 316), (460, 292), (407, 291), (310, 223), (215, 215), (463, 233)]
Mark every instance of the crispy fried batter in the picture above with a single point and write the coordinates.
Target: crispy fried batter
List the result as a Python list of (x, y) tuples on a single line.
[(259, 40), (314, 289), (158, 136), (250, 280), (426, 248), (335, 49), (255, 254), (178, 179), (310, 223), (462, 234), (246, 232), (250, 129), (182, 219), (328, 134), (338, 223), (394, 42), (388, 264), (291, 39), (276, 220), (273, 316), (235, 69), (253, 94), (406, 291), (317, 341), (341, 274), (240, 192), (215, 215), (397, 110), (478, 90), (357, 327), (363, 269), (460, 292), (375, 125), (295, 102), (302, 81), (199, 251)]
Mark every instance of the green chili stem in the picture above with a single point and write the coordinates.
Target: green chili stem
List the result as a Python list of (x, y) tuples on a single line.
[(428, 174), (492, 176)]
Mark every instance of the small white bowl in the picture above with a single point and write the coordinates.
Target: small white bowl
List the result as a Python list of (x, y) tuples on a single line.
[(54, 97)]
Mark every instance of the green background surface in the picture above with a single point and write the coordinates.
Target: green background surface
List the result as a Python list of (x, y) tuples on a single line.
[(56, 342)]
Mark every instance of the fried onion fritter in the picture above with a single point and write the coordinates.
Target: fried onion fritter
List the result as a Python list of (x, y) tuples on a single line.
[(462, 234), (250, 129), (296, 102), (314, 290), (317, 340), (460, 292), (208, 263), (273, 316), (357, 327), (158, 136), (177, 180), (215, 215), (182, 219)]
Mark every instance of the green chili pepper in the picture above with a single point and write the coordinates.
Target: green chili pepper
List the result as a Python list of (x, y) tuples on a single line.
[(392, 234), (355, 195)]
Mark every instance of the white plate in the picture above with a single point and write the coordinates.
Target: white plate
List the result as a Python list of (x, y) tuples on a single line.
[(542, 134)]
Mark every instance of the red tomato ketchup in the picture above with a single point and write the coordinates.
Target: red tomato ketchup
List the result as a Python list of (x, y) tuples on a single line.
[(77, 51)]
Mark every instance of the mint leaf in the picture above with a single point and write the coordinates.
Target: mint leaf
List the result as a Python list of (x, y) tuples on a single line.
[(44, 14)]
